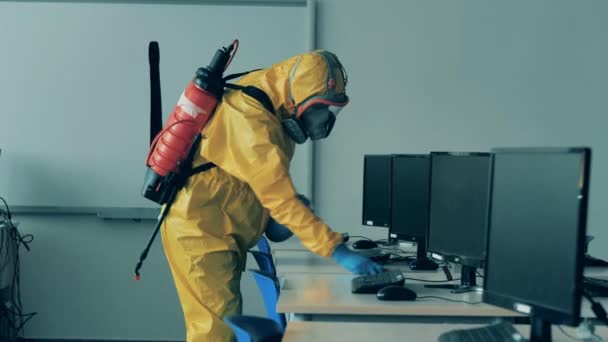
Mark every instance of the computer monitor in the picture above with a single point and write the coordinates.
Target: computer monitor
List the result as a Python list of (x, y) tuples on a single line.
[(411, 175), (536, 234), (376, 190), (459, 204)]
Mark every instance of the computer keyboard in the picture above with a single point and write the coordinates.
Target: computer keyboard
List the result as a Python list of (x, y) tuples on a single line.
[(491, 333), (373, 283), (596, 287)]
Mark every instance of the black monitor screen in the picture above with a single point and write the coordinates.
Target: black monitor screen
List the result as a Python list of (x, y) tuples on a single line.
[(537, 227), (460, 192), (376, 190), (410, 197)]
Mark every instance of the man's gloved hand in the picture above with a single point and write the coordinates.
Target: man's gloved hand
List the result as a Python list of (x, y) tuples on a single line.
[(277, 232), (354, 262)]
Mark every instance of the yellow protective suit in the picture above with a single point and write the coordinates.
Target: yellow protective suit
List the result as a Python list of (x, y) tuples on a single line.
[(221, 213)]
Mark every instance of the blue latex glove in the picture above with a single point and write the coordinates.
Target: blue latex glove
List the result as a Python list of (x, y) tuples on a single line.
[(354, 262), (277, 232)]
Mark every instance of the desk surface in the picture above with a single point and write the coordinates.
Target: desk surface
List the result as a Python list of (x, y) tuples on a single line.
[(340, 331), (329, 294)]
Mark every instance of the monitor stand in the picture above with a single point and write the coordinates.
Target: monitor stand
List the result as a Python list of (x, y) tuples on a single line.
[(540, 330), (422, 262), (468, 282)]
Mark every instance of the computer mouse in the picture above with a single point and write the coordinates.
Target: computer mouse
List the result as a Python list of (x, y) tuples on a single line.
[(364, 244), (394, 292)]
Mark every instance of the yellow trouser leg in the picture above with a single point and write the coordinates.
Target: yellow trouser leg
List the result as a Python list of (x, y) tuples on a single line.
[(207, 282)]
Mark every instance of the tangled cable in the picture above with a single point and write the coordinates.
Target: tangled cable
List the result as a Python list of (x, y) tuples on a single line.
[(12, 319)]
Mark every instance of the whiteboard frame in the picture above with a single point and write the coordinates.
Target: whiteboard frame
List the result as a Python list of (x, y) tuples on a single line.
[(148, 213)]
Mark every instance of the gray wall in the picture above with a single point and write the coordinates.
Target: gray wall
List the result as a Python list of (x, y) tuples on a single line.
[(75, 37), (425, 75), (463, 75), (78, 276)]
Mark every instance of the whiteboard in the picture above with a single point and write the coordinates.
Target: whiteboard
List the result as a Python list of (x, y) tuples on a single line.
[(74, 88)]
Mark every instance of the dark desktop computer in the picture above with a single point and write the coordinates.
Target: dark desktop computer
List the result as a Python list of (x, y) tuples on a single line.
[(458, 220), (376, 190), (410, 205), (537, 233), (536, 236)]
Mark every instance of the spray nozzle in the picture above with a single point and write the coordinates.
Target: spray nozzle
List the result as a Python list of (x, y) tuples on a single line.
[(223, 57)]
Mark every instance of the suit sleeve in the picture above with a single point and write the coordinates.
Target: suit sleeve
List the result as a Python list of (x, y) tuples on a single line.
[(247, 145)]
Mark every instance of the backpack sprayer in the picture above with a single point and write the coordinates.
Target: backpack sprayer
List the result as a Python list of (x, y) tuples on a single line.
[(170, 157)]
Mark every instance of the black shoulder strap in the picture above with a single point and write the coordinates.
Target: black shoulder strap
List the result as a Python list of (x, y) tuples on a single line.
[(260, 96), (201, 168), (237, 75), (250, 91), (256, 93)]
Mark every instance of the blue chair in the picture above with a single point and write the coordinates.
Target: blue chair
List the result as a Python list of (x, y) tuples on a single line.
[(263, 257), (270, 289), (254, 329), (263, 245), (265, 262)]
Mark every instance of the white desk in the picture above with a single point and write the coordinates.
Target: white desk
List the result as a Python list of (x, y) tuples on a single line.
[(317, 290), (353, 332), (320, 297)]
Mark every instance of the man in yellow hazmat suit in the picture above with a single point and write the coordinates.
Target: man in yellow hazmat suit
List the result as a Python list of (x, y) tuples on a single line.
[(221, 213)]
